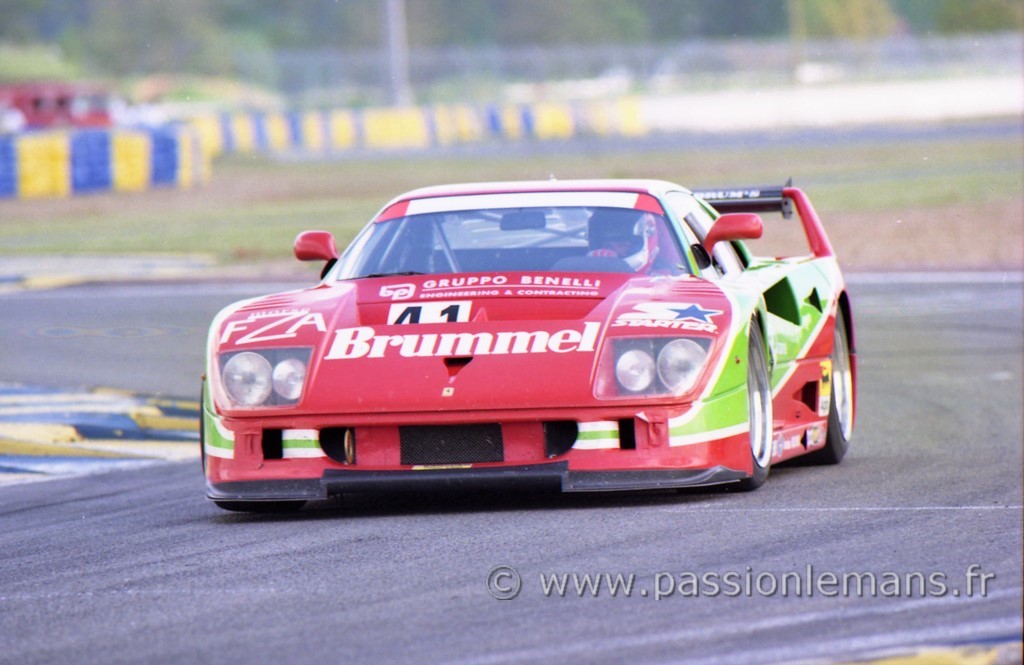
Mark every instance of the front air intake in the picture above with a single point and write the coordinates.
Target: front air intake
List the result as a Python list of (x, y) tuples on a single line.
[(451, 444), (559, 437)]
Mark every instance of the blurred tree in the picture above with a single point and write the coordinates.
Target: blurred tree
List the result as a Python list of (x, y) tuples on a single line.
[(568, 22), (19, 19), (862, 19), (979, 15), (452, 22), (916, 15), (128, 37), (672, 20), (328, 24), (203, 36)]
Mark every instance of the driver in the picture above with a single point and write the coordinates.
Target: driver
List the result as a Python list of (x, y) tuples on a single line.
[(630, 235)]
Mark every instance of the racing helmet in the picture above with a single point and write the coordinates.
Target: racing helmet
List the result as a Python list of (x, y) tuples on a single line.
[(632, 234)]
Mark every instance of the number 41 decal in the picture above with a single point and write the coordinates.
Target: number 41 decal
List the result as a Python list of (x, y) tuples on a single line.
[(430, 312)]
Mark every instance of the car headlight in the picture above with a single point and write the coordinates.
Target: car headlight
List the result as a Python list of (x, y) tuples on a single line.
[(635, 370), (650, 366), (288, 378), (267, 377), (679, 364), (247, 379)]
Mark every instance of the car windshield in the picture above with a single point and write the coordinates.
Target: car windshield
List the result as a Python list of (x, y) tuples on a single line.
[(557, 239)]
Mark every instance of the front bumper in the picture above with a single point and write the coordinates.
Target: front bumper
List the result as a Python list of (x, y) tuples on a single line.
[(553, 476)]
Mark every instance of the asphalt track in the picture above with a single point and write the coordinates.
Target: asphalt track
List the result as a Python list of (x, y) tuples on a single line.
[(136, 566)]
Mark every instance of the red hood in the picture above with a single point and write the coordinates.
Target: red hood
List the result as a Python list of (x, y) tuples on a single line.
[(465, 342)]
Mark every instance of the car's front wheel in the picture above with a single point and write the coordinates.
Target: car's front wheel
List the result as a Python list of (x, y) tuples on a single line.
[(759, 410)]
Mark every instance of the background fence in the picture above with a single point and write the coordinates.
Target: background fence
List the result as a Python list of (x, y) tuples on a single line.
[(580, 71)]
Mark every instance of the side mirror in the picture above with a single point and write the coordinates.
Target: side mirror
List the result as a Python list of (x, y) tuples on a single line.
[(734, 226), (315, 246), (701, 256)]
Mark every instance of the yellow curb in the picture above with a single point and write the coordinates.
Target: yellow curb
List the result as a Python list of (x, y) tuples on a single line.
[(52, 281), (39, 433), (145, 419), (1006, 653), (35, 449), (120, 392)]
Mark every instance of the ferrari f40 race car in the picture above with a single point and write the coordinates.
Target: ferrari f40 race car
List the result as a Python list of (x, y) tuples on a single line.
[(584, 335)]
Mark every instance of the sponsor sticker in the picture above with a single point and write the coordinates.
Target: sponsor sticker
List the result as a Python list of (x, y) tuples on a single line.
[(825, 388), (784, 444), (470, 281), (398, 291), (671, 315), (364, 342), (430, 312), (478, 286), (271, 325)]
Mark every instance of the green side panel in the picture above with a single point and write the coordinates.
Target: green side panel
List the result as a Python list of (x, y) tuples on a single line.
[(211, 433), (798, 296), (781, 301), (734, 372), (720, 412)]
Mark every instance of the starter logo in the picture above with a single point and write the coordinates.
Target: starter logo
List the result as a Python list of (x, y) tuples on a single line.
[(364, 342), (673, 315)]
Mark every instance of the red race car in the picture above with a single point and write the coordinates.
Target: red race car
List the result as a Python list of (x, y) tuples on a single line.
[(584, 335)]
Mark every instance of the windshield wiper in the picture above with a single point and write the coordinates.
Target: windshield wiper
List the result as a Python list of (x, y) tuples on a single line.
[(403, 273)]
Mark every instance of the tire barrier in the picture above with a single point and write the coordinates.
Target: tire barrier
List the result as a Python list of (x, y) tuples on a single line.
[(65, 162), (411, 128)]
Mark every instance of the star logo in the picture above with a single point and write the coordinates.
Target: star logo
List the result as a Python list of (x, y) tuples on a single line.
[(695, 313)]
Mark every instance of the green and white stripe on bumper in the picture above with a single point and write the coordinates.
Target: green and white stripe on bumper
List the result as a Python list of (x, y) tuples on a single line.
[(301, 443), (597, 435)]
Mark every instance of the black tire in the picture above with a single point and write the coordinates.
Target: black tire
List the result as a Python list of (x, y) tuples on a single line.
[(202, 425), (840, 410), (759, 409), (264, 507)]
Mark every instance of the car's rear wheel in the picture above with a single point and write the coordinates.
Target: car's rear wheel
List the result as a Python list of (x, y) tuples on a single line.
[(759, 410), (840, 412), (271, 507)]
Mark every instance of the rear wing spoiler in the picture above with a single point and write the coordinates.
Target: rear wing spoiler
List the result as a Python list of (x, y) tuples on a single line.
[(785, 200), (748, 199)]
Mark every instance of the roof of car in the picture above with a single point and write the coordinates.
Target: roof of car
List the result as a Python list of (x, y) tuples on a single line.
[(649, 186)]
